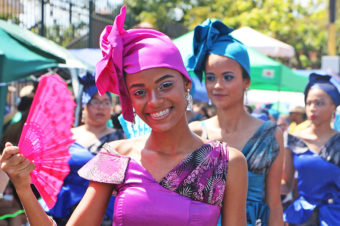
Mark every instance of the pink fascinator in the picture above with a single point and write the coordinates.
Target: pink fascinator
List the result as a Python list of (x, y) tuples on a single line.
[(131, 51)]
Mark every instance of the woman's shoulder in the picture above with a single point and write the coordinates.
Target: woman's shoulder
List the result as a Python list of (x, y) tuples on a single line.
[(196, 127), (236, 157), (128, 146)]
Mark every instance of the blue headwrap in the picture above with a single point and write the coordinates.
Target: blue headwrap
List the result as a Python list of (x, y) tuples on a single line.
[(213, 37), (327, 83), (90, 88)]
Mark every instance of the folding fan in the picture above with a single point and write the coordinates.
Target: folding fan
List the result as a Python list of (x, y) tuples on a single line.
[(46, 136)]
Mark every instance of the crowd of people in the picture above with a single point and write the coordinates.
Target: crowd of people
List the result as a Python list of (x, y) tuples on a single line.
[(226, 164)]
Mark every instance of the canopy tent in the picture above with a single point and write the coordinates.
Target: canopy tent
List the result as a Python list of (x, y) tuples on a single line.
[(265, 73), (23, 53), (263, 43)]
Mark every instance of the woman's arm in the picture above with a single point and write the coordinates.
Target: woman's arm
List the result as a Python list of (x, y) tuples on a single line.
[(18, 168), (92, 207), (90, 211), (235, 195), (287, 181), (273, 182)]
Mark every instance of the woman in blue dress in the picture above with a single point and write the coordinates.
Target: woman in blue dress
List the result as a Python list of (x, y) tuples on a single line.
[(89, 139), (315, 156), (225, 63)]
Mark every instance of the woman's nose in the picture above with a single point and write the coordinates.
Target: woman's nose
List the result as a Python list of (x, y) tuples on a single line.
[(154, 98)]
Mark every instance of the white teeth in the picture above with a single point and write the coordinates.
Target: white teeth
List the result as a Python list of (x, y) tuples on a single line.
[(160, 114)]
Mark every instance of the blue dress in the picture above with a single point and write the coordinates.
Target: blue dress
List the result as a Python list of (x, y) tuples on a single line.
[(318, 183), (74, 186), (260, 151)]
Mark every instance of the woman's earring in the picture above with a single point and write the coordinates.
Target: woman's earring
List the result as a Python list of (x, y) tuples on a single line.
[(246, 97), (188, 97)]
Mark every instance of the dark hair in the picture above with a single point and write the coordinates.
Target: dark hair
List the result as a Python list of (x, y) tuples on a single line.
[(245, 75)]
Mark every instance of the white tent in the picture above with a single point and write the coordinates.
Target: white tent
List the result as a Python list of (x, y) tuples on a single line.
[(263, 43)]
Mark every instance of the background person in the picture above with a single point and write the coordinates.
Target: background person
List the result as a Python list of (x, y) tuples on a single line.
[(225, 63), (89, 139), (315, 155)]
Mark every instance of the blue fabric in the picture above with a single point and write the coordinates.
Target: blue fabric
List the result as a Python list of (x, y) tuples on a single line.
[(74, 186), (139, 128), (260, 151), (327, 83), (213, 37), (90, 88), (318, 186)]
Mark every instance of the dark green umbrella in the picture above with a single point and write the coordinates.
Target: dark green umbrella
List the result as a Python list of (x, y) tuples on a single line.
[(23, 53)]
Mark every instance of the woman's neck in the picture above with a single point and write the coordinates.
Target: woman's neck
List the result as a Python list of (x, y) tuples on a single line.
[(178, 140), (230, 119), (96, 129), (321, 130)]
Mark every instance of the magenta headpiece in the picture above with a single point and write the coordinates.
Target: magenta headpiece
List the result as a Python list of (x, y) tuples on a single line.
[(132, 51)]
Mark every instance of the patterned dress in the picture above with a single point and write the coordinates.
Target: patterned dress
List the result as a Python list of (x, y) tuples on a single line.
[(190, 194), (260, 151), (318, 184)]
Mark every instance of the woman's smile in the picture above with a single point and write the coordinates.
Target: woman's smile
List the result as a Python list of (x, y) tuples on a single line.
[(160, 114)]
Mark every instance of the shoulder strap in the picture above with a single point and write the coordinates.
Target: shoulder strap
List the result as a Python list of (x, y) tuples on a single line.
[(204, 130)]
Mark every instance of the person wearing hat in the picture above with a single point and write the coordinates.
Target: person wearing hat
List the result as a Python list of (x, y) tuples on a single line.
[(224, 62), (315, 156), (169, 177), (297, 118), (89, 138)]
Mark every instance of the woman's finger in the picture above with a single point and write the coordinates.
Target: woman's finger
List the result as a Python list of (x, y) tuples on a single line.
[(8, 152)]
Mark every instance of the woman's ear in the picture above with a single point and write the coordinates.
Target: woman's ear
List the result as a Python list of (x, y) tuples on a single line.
[(246, 84), (187, 83)]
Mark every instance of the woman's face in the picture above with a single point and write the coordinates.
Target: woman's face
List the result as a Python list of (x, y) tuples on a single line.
[(98, 111), (158, 97), (224, 82), (319, 106)]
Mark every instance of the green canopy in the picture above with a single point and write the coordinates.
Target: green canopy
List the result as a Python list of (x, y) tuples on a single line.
[(265, 73), (23, 53)]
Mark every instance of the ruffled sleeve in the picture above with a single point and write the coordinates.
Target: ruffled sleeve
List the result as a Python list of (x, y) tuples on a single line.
[(106, 167)]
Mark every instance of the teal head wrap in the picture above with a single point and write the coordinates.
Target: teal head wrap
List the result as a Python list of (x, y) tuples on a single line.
[(213, 37)]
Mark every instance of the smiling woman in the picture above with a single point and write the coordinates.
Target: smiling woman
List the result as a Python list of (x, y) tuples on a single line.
[(170, 177)]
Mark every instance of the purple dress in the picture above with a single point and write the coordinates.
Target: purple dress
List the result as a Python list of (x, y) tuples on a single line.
[(190, 194)]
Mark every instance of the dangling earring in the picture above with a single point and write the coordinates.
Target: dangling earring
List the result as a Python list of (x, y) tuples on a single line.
[(246, 97), (188, 97)]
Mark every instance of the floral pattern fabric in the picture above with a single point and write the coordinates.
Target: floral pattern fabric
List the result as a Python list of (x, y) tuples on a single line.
[(201, 176)]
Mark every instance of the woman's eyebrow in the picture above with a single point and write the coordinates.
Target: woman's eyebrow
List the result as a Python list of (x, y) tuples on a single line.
[(164, 77), (157, 81)]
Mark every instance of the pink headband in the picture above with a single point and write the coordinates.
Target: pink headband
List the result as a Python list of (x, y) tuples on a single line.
[(132, 51)]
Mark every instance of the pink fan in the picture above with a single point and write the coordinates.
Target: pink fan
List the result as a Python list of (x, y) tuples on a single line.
[(46, 136)]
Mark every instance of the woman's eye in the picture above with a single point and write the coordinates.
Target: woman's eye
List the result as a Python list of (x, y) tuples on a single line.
[(210, 78), (165, 85), (139, 92), (228, 77), (319, 103)]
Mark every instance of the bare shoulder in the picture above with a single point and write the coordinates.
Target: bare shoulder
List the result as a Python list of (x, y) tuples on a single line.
[(236, 158), (196, 127), (127, 146), (278, 133)]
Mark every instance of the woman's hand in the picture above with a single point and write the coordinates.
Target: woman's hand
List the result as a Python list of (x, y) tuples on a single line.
[(17, 166)]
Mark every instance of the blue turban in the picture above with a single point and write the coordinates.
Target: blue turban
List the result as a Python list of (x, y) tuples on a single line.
[(327, 83), (213, 37), (90, 88)]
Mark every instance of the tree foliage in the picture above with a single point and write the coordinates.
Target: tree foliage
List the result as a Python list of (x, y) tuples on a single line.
[(302, 24)]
